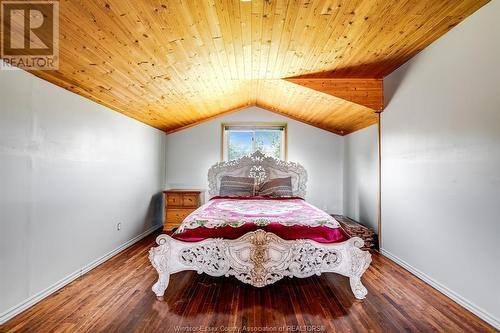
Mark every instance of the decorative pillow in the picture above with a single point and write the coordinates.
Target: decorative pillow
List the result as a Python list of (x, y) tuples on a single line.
[(276, 187), (237, 186)]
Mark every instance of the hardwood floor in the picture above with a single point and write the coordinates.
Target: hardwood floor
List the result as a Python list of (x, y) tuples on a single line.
[(116, 297)]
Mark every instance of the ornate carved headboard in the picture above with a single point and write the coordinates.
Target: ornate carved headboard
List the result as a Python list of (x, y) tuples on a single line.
[(260, 167)]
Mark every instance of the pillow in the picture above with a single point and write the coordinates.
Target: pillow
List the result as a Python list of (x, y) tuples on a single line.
[(276, 187), (237, 186)]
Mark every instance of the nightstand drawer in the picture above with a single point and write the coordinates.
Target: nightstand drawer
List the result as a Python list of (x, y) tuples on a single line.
[(174, 199), (176, 216), (190, 200)]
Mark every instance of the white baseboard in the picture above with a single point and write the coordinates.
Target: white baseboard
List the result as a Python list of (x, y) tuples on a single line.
[(17, 309), (481, 313)]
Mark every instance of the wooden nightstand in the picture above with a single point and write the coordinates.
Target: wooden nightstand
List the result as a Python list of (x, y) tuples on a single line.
[(179, 204)]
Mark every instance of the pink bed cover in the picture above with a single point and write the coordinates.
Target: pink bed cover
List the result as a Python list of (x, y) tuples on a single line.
[(232, 217)]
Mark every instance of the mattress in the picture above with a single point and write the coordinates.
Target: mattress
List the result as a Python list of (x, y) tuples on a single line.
[(232, 217)]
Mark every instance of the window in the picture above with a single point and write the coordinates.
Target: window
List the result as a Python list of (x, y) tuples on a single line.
[(239, 140)]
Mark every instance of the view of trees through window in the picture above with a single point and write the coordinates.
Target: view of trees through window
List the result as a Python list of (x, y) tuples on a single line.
[(245, 140)]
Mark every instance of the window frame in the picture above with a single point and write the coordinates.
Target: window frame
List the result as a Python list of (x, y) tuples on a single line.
[(252, 126)]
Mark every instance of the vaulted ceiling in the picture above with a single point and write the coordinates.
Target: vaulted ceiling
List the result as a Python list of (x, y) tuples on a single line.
[(174, 63)]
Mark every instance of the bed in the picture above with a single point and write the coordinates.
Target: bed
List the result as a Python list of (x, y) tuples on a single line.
[(259, 240)]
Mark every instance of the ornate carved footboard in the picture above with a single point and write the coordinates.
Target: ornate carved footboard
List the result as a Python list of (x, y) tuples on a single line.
[(260, 258)]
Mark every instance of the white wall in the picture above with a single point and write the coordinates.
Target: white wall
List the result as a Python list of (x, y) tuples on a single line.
[(361, 176), (441, 162), (70, 170), (192, 151)]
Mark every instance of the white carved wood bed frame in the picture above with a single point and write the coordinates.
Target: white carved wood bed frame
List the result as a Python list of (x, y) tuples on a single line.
[(259, 258)]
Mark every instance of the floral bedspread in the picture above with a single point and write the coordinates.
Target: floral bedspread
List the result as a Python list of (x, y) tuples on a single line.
[(235, 212)]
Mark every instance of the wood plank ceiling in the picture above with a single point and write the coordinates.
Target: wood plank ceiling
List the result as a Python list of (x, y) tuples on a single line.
[(171, 64)]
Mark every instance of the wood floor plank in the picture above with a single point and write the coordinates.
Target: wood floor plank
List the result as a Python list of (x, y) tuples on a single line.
[(117, 297)]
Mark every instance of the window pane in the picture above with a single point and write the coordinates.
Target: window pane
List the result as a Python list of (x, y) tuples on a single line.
[(241, 140), (239, 144), (269, 142)]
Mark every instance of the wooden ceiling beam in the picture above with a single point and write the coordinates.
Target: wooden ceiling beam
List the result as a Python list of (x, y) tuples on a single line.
[(366, 92)]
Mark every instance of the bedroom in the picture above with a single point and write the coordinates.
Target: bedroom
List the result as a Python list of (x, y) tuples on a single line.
[(382, 113)]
